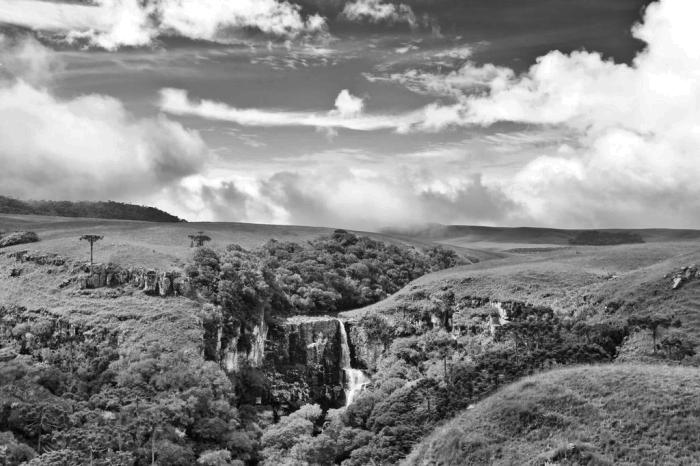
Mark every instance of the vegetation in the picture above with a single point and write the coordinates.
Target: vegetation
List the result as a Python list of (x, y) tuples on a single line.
[(604, 415), (327, 275), (81, 394), (112, 377), (109, 209), (429, 372), (18, 237), (92, 239), (605, 238), (198, 239)]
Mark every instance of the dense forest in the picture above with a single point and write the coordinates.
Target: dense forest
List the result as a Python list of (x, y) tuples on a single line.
[(109, 210)]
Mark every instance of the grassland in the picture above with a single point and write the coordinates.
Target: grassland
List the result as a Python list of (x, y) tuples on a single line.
[(573, 281), (597, 415)]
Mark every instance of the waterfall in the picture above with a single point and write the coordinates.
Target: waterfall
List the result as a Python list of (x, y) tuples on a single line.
[(354, 380), (344, 347)]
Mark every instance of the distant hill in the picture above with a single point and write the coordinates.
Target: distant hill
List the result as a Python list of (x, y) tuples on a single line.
[(460, 235), (109, 209)]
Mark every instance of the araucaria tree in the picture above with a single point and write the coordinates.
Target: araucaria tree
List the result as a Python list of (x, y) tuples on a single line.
[(92, 239), (198, 239)]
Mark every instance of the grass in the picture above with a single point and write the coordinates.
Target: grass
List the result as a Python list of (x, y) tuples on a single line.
[(576, 281), (140, 320), (166, 245), (614, 414)]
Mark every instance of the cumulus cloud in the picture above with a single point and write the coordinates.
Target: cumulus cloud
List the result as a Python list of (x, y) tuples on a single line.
[(376, 11), (111, 24), (348, 105), (86, 147), (638, 127), (635, 127)]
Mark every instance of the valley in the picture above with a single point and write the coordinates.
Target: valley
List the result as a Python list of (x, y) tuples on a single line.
[(333, 347)]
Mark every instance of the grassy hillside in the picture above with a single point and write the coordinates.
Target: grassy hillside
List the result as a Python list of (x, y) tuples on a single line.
[(502, 238), (164, 245), (594, 282), (622, 415), (109, 209)]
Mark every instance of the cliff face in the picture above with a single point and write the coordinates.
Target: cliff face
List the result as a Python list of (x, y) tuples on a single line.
[(308, 360), (365, 350)]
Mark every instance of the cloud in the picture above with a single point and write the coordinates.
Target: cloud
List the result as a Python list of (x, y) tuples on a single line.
[(637, 127), (347, 105), (633, 129), (469, 78), (89, 147), (111, 24), (369, 199), (347, 114), (375, 11), (26, 58)]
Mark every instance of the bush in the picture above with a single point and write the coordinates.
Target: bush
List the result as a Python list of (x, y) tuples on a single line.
[(18, 237)]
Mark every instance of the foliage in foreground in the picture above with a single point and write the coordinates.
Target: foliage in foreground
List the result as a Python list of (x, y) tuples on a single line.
[(605, 415)]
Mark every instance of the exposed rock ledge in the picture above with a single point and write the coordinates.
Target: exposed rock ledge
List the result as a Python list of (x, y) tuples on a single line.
[(150, 281)]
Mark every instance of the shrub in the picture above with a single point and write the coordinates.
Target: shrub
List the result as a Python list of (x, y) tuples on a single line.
[(18, 237)]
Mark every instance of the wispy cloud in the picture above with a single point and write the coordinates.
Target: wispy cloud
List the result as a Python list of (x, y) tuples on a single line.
[(348, 114)]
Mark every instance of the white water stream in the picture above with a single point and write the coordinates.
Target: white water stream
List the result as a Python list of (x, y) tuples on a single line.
[(354, 380)]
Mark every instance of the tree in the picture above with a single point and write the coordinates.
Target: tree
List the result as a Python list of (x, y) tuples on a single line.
[(651, 322), (92, 239), (198, 239)]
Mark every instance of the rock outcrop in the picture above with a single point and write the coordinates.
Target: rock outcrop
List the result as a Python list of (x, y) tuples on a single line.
[(366, 351), (684, 275), (150, 281), (39, 258)]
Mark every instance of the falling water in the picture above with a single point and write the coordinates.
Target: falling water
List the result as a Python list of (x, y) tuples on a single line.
[(355, 379), (344, 347)]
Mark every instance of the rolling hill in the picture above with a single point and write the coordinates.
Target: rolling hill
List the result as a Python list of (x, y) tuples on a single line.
[(503, 238), (595, 415)]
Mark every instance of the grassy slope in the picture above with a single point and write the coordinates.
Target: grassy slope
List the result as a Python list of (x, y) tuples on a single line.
[(144, 243), (163, 245), (503, 239), (140, 319), (622, 415), (576, 281)]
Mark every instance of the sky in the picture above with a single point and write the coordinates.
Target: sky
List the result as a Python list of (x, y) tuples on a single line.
[(360, 114)]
